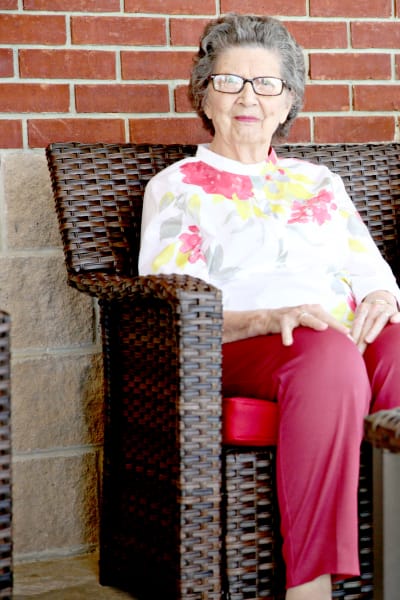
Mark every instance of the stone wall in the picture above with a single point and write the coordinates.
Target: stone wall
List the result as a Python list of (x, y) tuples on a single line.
[(56, 373)]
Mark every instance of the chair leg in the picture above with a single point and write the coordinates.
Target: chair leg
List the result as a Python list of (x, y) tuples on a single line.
[(386, 492)]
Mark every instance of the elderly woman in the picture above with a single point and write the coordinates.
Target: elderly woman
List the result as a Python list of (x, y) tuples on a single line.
[(311, 315)]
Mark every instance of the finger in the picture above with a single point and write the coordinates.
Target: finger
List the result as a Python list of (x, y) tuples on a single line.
[(287, 334), (321, 322), (335, 324), (358, 322), (377, 325), (362, 346)]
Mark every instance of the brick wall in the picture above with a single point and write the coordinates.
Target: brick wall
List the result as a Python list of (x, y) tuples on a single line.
[(116, 70)]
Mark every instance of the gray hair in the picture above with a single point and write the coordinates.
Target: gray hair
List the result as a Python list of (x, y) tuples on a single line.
[(248, 30)]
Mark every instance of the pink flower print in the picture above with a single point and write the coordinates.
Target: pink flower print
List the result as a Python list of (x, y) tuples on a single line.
[(351, 301), (214, 181), (191, 244), (315, 209)]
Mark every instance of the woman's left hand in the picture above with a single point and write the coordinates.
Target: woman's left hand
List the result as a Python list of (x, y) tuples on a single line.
[(373, 313)]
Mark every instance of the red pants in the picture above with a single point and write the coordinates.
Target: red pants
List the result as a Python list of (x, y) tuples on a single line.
[(324, 388)]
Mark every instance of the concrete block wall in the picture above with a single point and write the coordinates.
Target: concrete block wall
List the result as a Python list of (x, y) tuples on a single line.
[(116, 70), (56, 376)]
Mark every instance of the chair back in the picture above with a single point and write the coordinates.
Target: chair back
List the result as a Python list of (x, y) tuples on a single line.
[(99, 192)]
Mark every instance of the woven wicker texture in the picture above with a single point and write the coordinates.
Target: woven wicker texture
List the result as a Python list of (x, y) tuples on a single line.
[(166, 529), (6, 574)]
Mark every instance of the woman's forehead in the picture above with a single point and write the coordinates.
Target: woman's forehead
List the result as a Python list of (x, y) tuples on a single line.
[(234, 57)]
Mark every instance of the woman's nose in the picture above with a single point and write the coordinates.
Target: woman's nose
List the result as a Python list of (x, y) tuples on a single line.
[(248, 94)]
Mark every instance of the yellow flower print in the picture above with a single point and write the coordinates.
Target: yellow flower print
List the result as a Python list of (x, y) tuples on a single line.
[(166, 200), (287, 189), (194, 204), (343, 313), (244, 209), (163, 258), (356, 246)]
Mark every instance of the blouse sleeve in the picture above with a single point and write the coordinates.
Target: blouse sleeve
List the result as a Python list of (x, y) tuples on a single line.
[(367, 269), (171, 236)]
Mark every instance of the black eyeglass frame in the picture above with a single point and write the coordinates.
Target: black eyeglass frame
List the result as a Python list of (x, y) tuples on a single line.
[(251, 81)]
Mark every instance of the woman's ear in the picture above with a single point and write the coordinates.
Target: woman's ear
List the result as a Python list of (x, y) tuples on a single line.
[(286, 107), (206, 107)]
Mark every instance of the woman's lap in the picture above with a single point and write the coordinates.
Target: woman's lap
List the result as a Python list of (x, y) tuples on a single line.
[(322, 386)]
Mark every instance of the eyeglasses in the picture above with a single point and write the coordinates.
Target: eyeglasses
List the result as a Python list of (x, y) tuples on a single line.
[(233, 84)]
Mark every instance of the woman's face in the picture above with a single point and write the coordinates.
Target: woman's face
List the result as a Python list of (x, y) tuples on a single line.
[(244, 123)]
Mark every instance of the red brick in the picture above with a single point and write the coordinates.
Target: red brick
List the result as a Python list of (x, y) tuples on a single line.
[(67, 64), (11, 134), (397, 66), (349, 8), (315, 34), (326, 97), (186, 32), (6, 63), (118, 30), (8, 4), (375, 35), (156, 65), (171, 7), (44, 131), (32, 29), (377, 97), (354, 129), (350, 66), (181, 99), (33, 97), (300, 132), (168, 131), (122, 98), (275, 7), (68, 5)]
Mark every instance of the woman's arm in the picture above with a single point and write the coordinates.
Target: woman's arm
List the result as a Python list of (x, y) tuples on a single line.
[(241, 324)]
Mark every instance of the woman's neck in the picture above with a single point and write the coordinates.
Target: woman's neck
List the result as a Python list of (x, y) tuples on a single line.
[(242, 153)]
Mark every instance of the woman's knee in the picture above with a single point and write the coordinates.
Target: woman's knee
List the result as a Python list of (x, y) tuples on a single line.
[(382, 359), (331, 352), (330, 363)]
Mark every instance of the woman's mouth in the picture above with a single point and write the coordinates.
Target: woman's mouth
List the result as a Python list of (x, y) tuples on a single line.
[(246, 119)]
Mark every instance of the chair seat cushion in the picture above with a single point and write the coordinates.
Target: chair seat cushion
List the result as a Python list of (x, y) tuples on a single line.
[(249, 422)]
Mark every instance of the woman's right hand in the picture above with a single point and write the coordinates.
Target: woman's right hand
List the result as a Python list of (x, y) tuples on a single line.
[(285, 320), (243, 324)]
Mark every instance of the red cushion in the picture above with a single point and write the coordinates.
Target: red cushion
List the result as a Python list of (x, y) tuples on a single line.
[(249, 422)]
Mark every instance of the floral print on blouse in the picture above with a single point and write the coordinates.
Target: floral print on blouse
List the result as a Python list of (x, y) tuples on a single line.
[(282, 232)]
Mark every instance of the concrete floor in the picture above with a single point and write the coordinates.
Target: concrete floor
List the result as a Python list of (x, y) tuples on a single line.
[(73, 578)]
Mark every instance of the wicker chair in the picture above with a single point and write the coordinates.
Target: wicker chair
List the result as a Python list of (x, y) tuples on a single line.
[(184, 517)]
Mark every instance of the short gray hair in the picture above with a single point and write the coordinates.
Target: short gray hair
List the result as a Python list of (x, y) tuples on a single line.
[(248, 30)]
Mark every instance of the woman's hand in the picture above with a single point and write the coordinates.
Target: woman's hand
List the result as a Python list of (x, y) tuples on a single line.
[(285, 320), (372, 314), (244, 324)]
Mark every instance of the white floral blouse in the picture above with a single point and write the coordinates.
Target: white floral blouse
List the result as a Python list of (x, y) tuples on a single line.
[(282, 232)]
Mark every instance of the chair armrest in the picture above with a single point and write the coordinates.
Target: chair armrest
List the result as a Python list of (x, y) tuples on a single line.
[(382, 429), (106, 286)]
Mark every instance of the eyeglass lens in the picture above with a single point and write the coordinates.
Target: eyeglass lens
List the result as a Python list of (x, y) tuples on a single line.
[(233, 84)]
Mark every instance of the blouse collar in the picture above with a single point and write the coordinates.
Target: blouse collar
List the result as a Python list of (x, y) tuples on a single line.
[(233, 166)]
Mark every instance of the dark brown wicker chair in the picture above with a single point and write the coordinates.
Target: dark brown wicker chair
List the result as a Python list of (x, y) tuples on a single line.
[(183, 518), (6, 566)]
